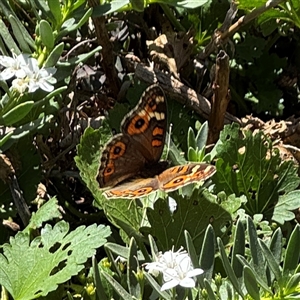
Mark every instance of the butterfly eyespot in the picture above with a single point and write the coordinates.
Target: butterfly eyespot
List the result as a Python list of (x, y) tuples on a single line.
[(139, 123), (117, 150), (178, 180), (109, 170)]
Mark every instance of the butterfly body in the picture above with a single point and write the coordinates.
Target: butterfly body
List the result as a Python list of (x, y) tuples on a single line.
[(138, 149)]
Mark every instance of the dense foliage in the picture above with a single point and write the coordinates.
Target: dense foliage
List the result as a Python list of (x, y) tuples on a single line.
[(70, 70)]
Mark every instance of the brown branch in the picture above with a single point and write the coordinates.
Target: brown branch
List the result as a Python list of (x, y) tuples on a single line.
[(220, 97), (248, 18), (108, 61), (177, 91), (222, 34)]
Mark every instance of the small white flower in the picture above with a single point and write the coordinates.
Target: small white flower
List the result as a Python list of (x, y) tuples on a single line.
[(39, 78), (20, 84), (27, 73), (14, 66), (182, 274), (176, 267)]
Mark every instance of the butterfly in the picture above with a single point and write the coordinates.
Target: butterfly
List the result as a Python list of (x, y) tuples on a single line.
[(130, 164)]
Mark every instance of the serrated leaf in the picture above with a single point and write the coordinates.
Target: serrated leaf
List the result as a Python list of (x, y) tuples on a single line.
[(192, 214), (30, 270), (283, 210), (46, 212), (249, 166)]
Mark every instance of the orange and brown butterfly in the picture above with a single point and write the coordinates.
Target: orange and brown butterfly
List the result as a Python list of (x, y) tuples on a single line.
[(130, 165)]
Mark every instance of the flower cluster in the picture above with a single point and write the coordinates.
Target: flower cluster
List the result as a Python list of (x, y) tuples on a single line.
[(176, 267), (28, 75)]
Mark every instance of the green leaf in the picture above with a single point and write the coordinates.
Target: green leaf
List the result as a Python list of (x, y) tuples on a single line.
[(249, 166), (228, 269), (271, 261), (292, 254), (192, 214), (256, 252), (191, 140), (19, 34), (117, 287), (79, 58), (156, 287), (202, 135), (30, 270), (259, 279), (132, 269), (46, 34), (192, 154), (54, 56), (292, 284), (46, 212), (207, 254), (97, 279), (23, 130), (17, 113), (55, 9), (191, 4), (283, 210), (210, 292), (81, 22), (250, 283), (238, 248), (191, 249), (8, 39), (110, 7)]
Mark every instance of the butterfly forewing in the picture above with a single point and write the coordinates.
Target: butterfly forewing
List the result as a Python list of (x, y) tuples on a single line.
[(146, 124)]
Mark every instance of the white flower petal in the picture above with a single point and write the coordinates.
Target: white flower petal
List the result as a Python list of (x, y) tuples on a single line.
[(194, 272), (44, 85), (7, 73), (170, 284), (6, 61), (187, 282), (172, 204)]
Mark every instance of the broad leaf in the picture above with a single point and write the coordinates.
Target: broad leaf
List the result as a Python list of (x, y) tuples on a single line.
[(29, 270)]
